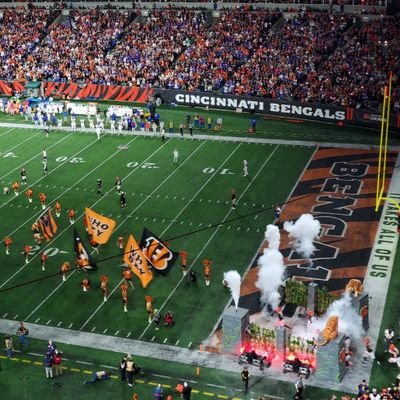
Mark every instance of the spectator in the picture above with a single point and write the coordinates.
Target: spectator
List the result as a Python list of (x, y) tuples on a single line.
[(22, 333), (57, 360), (8, 343), (158, 392), (48, 365), (98, 376)]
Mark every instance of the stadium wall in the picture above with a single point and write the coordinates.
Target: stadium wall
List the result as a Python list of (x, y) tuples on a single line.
[(259, 105), (286, 109)]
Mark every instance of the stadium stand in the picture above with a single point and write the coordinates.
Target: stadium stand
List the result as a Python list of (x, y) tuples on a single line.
[(304, 57)]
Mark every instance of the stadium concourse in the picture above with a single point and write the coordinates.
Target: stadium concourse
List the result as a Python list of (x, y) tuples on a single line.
[(310, 56)]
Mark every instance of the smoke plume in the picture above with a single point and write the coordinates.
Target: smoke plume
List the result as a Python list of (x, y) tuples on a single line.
[(273, 236), (303, 232), (232, 279), (270, 276), (350, 322)]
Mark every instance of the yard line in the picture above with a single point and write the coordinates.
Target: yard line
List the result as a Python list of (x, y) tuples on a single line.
[(129, 215), (7, 131), (184, 208), (211, 237), (26, 161), (83, 362), (51, 172), (48, 296), (161, 376), (18, 144), (66, 229)]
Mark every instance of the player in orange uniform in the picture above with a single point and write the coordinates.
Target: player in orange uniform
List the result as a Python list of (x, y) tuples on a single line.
[(7, 244), (27, 249), (65, 269), (184, 256), (127, 273), (124, 293), (85, 284), (15, 187), (149, 306), (207, 271), (71, 216), (103, 286), (57, 208), (42, 198), (36, 233), (43, 259), (29, 194), (120, 242)]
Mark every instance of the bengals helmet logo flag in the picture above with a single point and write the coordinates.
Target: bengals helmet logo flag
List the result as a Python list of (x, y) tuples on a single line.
[(136, 260), (157, 252), (83, 258)]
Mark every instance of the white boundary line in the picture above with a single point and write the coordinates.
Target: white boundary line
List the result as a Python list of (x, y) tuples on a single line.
[(101, 198), (7, 131), (65, 191), (126, 219), (212, 236), (263, 240), (32, 158)]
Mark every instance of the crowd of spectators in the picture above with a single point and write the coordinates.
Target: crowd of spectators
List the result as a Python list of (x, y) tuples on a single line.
[(149, 52), (307, 57), (76, 49), (20, 32), (286, 60), (357, 72)]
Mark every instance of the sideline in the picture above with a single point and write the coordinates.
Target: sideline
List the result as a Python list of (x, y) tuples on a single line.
[(220, 138), (381, 261)]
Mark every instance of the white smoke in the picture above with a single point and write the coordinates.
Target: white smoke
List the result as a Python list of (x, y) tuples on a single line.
[(350, 321), (232, 279), (303, 232), (273, 236), (270, 276)]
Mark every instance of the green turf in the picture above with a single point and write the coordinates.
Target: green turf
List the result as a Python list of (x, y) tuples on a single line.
[(173, 202)]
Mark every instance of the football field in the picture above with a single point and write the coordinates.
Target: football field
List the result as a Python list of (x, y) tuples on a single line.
[(187, 204)]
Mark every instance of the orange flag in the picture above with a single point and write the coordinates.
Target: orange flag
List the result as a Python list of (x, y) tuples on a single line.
[(99, 226), (135, 258)]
